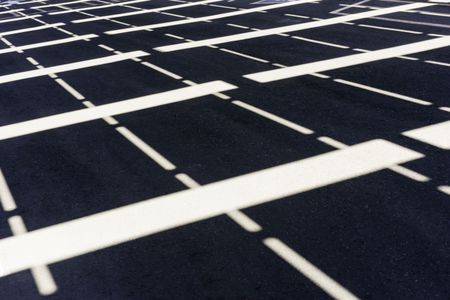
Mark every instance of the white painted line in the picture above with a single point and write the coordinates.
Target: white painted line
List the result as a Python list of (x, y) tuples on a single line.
[(161, 70), (383, 92), (32, 61), (290, 28), (445, 189), (19, 19), (208, 18), (61, 3), (17, 31), (80, 236), (438, 63), (70, 89), (390, 29), (41, 274), (409, 173), (349, 60), (437, 135), (10, 11), (116, 108), (96, 7), (332, 142), (6, 198), (273, 117), (49, 43), (244, 221), (144, 147), (244, 55), (320, 42), (187, 180), (325, 282), (145, 11), (71, 66)]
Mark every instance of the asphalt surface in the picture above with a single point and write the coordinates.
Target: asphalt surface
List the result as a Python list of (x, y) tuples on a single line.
[(376, 233)]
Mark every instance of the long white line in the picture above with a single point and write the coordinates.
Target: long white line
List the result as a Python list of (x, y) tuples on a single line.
[(96, 7), (105, 229), (71, 66), (29, 29), (349, 60), (116, 108), (328, 284), (62, 3), (146, 11), (10, 11), (290, 28), (48, 43), (19, 19), (208, 18), (437, 135)]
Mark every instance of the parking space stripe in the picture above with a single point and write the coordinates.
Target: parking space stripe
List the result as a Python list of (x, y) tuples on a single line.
[(71, 66), (208, 18), (116, 108), (48, 43), (29, 29), (105, 229), (349, 60), (290, 28), (145, 11)]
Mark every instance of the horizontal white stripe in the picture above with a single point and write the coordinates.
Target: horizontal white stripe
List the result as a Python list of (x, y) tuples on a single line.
[(49, 43), (290, 28), (72, 66), (146, 11), (437, 135), (19, 19), (10, 11), (61, 3), (117, 108), (29, 29), (349, 60), (208, 18), (96, 7), (105, 229)]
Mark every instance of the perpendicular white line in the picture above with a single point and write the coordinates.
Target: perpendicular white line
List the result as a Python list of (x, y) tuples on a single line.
[(290, 28), (145, 11), (6, 198), (437, 135), (41, 274), (29, 29), (96, 7), (161, 70), (48, 43), (383, 92), (144, 147), (208, 18), (444, 188), (91, 233), (409, 173), (310, 271), (244, 221), (71, 66), (116, 108), (69, 89), (349, 60), (273, 117)]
